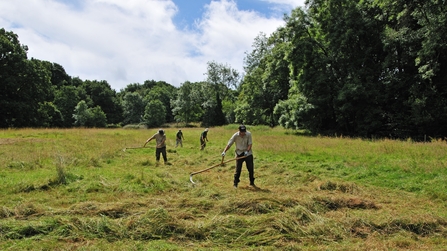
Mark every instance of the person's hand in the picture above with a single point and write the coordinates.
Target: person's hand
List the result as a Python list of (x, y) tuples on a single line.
[(246, 153), (223, 154)]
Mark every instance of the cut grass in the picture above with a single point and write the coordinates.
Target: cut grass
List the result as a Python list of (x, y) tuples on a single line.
[(77, 189)]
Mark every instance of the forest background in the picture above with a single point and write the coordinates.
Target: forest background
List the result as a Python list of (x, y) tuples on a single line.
[(355, 68)]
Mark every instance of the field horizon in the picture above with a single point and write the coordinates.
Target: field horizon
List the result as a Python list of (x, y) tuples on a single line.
[(81, 189)]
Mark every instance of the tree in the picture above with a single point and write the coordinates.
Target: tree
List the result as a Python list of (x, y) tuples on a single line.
[(65, 99), (82, 114), (50, 116), (186, 107), (12, 61), (58, 75), (25, 84), (292, 112), (336, 58), (165, 93), (155, 113), (266, 80), (421, 30), (98, 117), (89, 117), (220, 79), (101, 94), (133, 108), (250, 101)]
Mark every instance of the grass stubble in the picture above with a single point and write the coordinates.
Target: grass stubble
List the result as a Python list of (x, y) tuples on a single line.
[(76, 189)]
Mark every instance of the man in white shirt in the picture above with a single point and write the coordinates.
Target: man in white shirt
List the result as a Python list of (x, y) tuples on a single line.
[(244, 153)]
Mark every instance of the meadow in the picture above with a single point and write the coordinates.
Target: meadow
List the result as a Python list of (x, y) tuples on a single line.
[(79, 189)]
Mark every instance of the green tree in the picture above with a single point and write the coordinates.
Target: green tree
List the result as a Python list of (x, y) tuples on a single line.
[(266, 80), (161, 91), (24, 84), (418, 34), (97, 118), (89, 117), (251, 100), (50, 116), (291, 112), (12, 61), (186, 107), (155, 113), (220, 79), (151, 90), (336, 60), (66, 99), (101, 94), (82, 114), (133, 107), (58, 75)]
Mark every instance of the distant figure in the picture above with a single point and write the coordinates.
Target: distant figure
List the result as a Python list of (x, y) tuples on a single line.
[(179, 138), (160, 138), (244, 142), (203, 139)]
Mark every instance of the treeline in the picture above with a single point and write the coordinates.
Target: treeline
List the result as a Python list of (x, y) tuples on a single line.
[(36, 93), (374, 68)]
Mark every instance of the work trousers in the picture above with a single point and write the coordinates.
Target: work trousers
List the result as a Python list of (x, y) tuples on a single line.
[(161, 150), (178, 141), (250, 167), (202, 144)]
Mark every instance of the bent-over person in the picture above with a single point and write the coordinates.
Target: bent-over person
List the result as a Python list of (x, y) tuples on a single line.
[(160, 148)]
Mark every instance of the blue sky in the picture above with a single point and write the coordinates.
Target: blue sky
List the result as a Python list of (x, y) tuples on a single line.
[(130, 41), (190, 11)]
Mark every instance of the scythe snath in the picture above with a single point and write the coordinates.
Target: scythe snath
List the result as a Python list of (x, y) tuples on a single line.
[(209, 168)]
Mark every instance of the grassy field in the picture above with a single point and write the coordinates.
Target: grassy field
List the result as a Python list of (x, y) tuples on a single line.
[(76, 189)]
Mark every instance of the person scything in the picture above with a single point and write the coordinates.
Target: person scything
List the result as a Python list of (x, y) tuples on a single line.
[(203, 139), (244, 143), (160, 139)]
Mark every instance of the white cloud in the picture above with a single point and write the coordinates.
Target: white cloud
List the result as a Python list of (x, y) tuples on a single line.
[(131, 41), (227, 32)]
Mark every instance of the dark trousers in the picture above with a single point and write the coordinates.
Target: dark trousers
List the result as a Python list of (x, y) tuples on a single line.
[(250, 167), (161, 150)]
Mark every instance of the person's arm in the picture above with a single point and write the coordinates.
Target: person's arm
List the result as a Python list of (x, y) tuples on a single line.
[(250, 144), (225, 150), (149, 139), (229, 144)]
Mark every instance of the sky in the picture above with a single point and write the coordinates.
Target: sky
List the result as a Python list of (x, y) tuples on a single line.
[(130, 41)]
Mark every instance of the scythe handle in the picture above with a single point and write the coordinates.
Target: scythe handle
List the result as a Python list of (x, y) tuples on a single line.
[(204, 170)]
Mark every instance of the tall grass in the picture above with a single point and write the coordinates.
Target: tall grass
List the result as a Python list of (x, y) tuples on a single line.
[(67, 189)]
